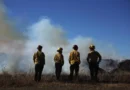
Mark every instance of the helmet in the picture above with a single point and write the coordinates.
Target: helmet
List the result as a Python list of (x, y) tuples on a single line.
[(60, 49), (39, 47), (75, 47), (92, 46)]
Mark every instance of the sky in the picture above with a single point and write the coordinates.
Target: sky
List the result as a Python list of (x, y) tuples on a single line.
[(107, 21)]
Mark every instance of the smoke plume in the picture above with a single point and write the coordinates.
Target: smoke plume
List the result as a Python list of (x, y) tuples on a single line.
[(11, 43)]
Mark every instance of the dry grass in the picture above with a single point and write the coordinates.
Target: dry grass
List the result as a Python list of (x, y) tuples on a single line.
[(7, 80), (108, 81)]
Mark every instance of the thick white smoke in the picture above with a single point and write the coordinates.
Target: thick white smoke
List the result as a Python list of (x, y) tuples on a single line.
[(52, 37), (16, 53)]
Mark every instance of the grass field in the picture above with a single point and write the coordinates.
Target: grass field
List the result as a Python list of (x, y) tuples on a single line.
[(108, 81)]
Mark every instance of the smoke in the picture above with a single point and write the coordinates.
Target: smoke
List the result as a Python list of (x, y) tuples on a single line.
[(52, 37), (43, 32), (16, 50), (11, 43)]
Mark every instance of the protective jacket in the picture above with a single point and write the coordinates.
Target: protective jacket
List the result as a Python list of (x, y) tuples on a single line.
[(59, 58), (74, 57), (94, 57), (39, 58)]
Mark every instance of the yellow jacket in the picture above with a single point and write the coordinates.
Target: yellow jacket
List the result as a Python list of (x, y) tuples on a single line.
[(74, 57), (59, 58), (39, 58)]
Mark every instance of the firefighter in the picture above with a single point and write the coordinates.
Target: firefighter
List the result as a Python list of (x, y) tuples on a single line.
[(59, 62), (74, 60), (39, 61), (93, 59)]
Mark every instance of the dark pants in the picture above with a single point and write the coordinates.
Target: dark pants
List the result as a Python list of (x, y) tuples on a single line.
[(94, 67), (74, 67), (58, 69), (38, 72)]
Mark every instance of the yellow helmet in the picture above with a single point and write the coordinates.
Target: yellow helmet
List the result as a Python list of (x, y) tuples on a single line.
[(60, 49), (92, 46)]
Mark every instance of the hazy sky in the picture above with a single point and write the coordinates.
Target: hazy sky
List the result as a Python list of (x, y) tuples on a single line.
[(107, 21)]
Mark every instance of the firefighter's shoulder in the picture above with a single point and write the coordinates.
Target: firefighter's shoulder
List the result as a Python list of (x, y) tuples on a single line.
[(71, 52), (89, 52), (56, 54), (35, 53), (96, 52)]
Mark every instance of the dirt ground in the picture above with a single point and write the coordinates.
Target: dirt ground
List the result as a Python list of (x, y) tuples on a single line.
[(72, 86)]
